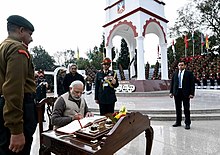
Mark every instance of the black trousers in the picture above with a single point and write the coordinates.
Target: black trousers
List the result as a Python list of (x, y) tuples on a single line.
[(106, 108), (30, 124), (88, 86), (179, 99)]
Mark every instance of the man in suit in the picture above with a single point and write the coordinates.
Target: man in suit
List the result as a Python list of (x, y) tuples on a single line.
[(182, 88)]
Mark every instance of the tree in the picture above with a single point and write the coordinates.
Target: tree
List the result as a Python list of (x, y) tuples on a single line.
[(69, 57), (199, 15), (95, 58), (42, 60), (124, 55), (186, 21), (82, 63), (102, 45), (210, 13), (64, 58)]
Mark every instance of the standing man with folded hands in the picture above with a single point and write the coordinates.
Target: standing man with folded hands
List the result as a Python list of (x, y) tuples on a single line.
[(183, 89)]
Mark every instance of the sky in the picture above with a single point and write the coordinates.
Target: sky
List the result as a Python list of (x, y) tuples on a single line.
[(70, 24)]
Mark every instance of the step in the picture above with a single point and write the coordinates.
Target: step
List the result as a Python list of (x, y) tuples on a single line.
[(207, 111), (144, 94), (172, 117), (167, 115)]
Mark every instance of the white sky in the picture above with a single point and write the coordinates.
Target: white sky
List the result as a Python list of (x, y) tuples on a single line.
[(68, 24)]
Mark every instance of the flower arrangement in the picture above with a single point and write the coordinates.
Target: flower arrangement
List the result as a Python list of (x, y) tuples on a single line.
[(117, 115)]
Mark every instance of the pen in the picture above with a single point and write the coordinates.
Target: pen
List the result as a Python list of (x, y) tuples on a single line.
[(80, 124)]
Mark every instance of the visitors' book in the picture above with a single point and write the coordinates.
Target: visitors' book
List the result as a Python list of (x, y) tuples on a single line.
[(82, 123)]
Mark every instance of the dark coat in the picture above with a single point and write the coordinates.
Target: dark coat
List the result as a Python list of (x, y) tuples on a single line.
[(188, 84), (41, 89), (105, 94), (69, 78)]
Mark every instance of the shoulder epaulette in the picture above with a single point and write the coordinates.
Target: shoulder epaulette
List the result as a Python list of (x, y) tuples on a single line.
[(24, 52)]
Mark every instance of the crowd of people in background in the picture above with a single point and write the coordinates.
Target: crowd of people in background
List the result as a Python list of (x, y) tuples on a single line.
[(206, 69)]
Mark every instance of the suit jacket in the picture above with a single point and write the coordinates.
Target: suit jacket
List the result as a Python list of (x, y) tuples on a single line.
[(188, 84)]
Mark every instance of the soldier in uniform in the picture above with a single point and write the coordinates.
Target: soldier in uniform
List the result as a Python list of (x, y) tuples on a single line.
[(105, 82), (18, 117)]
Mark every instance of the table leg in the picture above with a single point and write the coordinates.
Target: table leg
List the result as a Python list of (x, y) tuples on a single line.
[(149, 134)]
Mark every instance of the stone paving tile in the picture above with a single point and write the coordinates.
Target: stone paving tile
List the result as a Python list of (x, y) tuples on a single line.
[(202, 139)]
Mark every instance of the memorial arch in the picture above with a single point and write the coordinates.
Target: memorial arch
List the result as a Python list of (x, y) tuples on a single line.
[(132, 21)]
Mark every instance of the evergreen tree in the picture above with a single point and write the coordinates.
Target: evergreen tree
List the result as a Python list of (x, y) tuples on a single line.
[(124, 55), (42, 60)]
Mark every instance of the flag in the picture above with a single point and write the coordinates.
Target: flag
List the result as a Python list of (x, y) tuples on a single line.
[(186, 41), (202, 42), (202, 39), (207, 42), (77, 53)]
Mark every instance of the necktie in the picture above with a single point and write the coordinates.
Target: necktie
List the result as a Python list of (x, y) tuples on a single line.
[(180, 83)]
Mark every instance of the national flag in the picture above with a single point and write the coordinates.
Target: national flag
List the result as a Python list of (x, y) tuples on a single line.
[(202, 39), (77, 53), (207, 42), (186, 41)]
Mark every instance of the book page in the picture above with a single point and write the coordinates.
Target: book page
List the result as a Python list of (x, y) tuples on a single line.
[(89, 120), (74, 125), (70, 128)]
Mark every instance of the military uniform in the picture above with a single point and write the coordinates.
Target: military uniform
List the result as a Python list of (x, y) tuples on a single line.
[(105, 92), (17, 90)]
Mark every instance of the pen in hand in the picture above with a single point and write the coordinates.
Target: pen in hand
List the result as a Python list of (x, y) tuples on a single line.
[(80, 124), (77, 116)]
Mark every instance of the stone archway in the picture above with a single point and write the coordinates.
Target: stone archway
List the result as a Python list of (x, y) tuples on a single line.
[(127, 31), (154, 26), (132, 21)]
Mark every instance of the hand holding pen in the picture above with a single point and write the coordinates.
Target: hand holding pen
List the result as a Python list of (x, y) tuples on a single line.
[(77, 116)]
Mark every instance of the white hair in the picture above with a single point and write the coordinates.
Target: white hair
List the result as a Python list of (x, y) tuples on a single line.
[(74, 83)]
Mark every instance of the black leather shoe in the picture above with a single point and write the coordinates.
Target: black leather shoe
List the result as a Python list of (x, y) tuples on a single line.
[(176, 124), (187, 127)]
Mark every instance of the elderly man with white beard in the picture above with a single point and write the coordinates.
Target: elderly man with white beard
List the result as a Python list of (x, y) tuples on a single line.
[(70, 106)]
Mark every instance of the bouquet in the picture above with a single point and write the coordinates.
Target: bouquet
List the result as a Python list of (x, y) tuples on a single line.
[(122, 112)]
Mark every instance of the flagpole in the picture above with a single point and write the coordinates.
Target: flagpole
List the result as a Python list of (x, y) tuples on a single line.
[(185, 45), (201, 49), (193, 43), (193, 50)]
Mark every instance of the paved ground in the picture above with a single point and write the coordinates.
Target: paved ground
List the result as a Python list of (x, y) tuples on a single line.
[(202, 139), (204, 99)]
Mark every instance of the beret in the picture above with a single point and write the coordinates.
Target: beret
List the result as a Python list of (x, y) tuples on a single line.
[(20, 21)]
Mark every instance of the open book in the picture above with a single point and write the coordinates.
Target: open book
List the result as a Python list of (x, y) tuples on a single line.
[(75, 125)]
